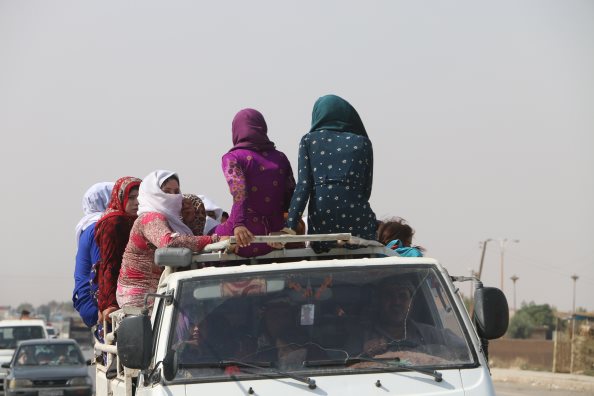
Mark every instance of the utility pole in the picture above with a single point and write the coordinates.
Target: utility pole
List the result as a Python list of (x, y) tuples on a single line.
[(575, 278), (502, 242), (483, 245), (514, 278)]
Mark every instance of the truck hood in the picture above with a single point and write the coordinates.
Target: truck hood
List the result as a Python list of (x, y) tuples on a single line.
[(465, 382), (50, 372), (392, 383)]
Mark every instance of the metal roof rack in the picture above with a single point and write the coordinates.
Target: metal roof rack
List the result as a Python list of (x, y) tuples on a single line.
[(222, 251)]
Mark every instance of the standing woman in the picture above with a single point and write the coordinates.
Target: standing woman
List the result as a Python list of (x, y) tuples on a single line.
[(159, 224), (335, 174), (84, 299), (111, 234), (260, 180)]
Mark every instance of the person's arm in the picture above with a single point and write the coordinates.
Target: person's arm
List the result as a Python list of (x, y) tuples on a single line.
[(82, 298), (304, 185), (369, 175), (237, 186), (111, 261), (289, 184), (156, 230)]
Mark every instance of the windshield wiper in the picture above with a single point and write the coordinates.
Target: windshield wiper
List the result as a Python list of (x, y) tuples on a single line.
[(396, 366), (311, 383)]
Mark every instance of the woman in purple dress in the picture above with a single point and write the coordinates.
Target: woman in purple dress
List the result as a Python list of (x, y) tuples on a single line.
[(261, 182)]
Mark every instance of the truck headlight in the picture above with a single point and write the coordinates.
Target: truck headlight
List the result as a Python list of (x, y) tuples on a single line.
[(79, 381), (19, 383)]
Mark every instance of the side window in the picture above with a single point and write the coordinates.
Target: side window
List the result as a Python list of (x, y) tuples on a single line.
[(37, 332), (157, 323)]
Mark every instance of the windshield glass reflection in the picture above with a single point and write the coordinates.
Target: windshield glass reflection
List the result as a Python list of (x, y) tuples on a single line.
[(315, 321)]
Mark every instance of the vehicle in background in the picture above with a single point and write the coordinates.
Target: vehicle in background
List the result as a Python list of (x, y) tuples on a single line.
[(51, 331), (293, 322), (48, 367), (79, 331), (14, 331)]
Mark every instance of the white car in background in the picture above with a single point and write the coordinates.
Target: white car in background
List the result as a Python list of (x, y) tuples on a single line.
[(14, 331), (52, 332)]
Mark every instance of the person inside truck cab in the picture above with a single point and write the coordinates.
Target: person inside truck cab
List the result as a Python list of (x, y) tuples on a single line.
[(394, 327), (283, 341), (335, 174), (261, 182), (210, 339), (111, 234), (159, 225)]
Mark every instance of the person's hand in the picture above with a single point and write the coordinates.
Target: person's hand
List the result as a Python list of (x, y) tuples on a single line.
[(106, 312), (374, 346), (243, 236)]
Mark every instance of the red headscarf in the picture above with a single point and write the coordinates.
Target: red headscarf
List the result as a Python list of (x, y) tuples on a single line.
[(119, 199), (112, 232)]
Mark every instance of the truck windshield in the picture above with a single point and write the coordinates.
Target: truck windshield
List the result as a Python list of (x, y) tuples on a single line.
[(317, 322), (11, 335)]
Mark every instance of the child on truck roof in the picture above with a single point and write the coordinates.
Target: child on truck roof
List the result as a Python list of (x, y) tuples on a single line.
[(397, 235)]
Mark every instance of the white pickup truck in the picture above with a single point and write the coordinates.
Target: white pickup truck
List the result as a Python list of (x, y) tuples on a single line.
[(346, 322)]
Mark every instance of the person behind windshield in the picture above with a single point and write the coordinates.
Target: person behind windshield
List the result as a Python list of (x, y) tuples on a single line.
[(159, 224), (260, 180), (26, 357), (282, 340), (193, 213), (335, 174), (111, 235), (397, 235), (209, 340), (395, 329), (84, 300)]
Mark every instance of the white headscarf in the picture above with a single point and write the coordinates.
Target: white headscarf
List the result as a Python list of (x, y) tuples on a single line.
[(94, 203), (211, 206), (152, 199)]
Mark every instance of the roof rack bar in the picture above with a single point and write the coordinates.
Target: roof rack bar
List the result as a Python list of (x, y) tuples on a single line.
[(298, 238)]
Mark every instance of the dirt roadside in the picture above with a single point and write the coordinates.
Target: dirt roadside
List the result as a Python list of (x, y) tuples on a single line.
[(545, 380)]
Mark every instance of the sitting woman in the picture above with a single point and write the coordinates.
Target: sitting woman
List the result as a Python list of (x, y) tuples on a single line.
[(84, 297), (111, 234), (397, 235), (261, 182), (335, 174), (194, 213), (159, 224)]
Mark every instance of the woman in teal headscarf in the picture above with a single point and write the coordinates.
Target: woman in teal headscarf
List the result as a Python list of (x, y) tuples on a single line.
[(335, 173)]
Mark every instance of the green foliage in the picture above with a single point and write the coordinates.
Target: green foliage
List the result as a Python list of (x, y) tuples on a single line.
[(529, 317)]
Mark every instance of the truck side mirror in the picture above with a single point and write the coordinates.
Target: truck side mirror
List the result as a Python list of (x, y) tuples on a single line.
[(491, 313), (135, 342), (6, 365)]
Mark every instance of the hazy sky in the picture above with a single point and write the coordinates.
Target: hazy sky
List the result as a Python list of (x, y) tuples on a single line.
[(481, 115)]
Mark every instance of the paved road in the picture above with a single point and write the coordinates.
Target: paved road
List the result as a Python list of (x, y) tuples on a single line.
[(508, 389)]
